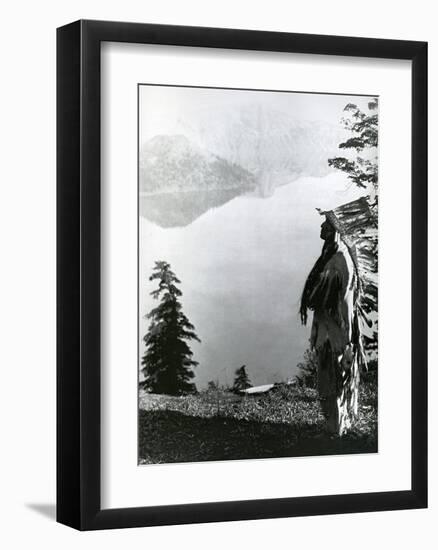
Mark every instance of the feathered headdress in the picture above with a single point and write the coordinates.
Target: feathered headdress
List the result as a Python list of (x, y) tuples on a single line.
[(356, 223)]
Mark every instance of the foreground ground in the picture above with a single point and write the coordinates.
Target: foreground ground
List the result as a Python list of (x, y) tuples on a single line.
[(223, 426)]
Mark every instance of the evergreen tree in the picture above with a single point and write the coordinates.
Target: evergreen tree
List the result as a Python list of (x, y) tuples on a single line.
[(364, 128), (363, 171), (307, 370), (167, 362), (241, 380), (212, 386)]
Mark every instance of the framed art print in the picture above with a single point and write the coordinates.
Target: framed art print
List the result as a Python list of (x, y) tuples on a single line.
[(242, 304)]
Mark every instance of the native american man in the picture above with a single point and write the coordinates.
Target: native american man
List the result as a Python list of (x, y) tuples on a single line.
[(331, 291)]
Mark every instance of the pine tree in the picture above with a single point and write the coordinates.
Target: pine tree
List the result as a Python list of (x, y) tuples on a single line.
[(364, 128), (307, 370), (167, 362), (212, 386), (241, 380), (363, 171)]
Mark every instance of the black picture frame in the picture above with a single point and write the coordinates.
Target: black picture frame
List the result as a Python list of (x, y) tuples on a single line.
[(78, 274)]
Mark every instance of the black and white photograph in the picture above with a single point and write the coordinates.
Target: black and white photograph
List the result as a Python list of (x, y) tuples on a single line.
[(257, 274), (217, 287)]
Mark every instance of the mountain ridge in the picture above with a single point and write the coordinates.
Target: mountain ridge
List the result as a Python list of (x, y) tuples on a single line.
[(173, 163)]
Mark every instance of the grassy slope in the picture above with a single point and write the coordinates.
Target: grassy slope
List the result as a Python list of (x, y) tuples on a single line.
[(222, 426)]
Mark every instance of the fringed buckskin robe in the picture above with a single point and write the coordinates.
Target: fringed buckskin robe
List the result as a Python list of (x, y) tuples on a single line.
[(331, 292)]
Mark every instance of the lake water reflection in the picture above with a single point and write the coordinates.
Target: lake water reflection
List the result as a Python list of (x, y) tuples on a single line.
[(242, 265)]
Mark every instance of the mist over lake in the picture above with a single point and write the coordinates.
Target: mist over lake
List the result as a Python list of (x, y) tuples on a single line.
[(242, 262)]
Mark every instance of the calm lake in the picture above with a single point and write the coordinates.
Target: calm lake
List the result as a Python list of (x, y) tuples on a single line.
[(242, 263)]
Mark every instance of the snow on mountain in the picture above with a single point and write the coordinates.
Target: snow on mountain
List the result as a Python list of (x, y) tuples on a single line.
[(253, 151), (171, 163), (273, 145)]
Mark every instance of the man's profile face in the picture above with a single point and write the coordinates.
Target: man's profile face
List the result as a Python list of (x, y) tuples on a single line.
[(327, 230)]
